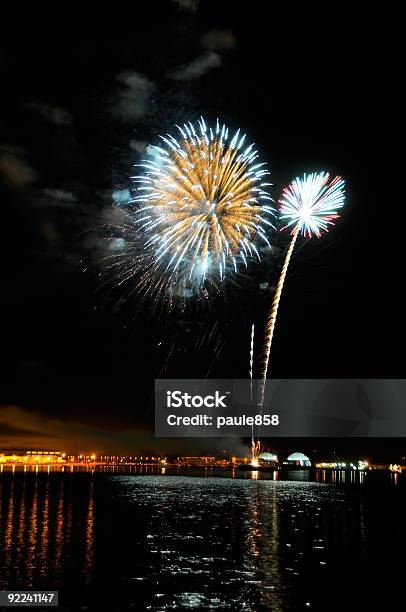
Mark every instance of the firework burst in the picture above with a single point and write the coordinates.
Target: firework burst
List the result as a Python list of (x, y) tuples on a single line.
[(201, 204), (309, 205)]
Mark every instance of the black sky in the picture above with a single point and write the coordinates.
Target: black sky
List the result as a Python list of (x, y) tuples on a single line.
[(314, 91)]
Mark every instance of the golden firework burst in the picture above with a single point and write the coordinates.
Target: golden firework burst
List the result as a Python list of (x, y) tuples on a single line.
[(202, 202)]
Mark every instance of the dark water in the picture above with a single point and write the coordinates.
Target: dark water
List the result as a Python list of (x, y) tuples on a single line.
[(111, 541)]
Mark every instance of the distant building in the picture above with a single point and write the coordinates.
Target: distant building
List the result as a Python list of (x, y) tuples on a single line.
[(32, 457), (268, 459), (298, 460), (199, 461)]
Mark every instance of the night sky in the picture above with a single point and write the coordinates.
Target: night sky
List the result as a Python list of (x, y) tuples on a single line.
[(78, 364)]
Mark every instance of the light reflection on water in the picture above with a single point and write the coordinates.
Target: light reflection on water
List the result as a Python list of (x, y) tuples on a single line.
[(36, 539), (162, 542)]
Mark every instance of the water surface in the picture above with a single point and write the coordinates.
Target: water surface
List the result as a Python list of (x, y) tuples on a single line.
[(117, 541)]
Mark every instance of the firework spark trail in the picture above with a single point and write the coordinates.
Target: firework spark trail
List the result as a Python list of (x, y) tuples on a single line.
[(255, 452), (270, 324), (252, 354), (251, 374), (309, 204)]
